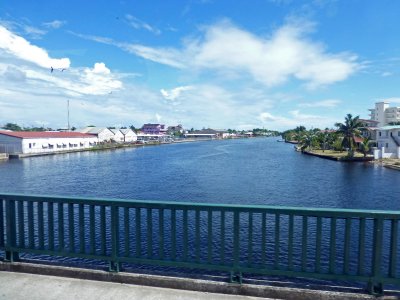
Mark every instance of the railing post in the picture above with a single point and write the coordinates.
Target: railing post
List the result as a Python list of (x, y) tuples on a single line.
[(114, 263), (10, 254), (375, 285)]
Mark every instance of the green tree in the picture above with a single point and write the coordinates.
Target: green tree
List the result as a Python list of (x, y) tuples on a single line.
[(12, 126), (365, 146), (307, 140), (349, 130)]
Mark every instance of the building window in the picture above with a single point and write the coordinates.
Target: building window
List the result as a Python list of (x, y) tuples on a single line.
[(380, 133), (387, 145), (30, 145)]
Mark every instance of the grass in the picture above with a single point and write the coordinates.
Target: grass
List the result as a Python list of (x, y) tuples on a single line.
[(335, 154)]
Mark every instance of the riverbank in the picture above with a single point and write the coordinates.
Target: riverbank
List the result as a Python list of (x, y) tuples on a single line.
[(339, 155), (391, 163)]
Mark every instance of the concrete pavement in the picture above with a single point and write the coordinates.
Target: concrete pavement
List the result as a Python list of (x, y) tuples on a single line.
[(22, 286)]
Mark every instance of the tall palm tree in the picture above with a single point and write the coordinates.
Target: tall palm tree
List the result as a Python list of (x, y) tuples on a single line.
[(307, 140), (349, 130)]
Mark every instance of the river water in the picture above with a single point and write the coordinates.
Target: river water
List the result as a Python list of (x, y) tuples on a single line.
[(246, 171)]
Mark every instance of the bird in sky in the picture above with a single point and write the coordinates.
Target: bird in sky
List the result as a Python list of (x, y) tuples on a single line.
[(51, 69)]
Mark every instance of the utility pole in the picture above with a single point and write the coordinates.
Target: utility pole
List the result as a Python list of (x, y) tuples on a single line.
[(68, 113)]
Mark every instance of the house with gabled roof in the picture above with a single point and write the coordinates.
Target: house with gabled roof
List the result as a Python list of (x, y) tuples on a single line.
[(103, 134), (118, 135), (129, 135)]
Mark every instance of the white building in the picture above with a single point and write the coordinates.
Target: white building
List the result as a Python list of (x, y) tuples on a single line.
[(118, 135), (129, 135), (384, 114), (103, 134), (388, 142), (30, 142)]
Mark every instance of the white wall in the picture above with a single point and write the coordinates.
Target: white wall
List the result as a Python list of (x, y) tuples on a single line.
[(44, 145)]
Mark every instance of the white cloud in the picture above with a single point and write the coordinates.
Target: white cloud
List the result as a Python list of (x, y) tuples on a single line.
[(330, 103), (34, 32), (21, 48), (54, 24), (173, 94), (139, 24), (288, 53), (293, 119)]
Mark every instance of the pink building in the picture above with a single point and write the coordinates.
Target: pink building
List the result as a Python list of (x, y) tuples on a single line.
[(154, 129)]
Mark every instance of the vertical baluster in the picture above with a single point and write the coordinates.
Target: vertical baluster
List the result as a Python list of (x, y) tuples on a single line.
[(264, 238), (377, 250), (361, 247), (318, 246), (347, 235), (222, 254), (304, 244), (173, 233), (277, 240), (138, 231), (2, 223), (393, 247), (11, 231), (31, 227), (236, 238), (50, 218), (40, 225), (127, 231), (185, 234), (82, 246), (149, 233), (290, 242), (209, 235), (21, 224), (103, 229), (250, 240), (161, 233), (92, 229), (60, 226), (114, 263), (332, 250), (197, 242), (71, 227)]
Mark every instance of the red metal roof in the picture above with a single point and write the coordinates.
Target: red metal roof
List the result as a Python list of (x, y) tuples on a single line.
[(45, 134), (358, 139)]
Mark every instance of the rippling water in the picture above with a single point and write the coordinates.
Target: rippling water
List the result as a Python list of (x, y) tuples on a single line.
[(247, 171)]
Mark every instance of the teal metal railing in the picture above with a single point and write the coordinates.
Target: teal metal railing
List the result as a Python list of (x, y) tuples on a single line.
[(333, 244)]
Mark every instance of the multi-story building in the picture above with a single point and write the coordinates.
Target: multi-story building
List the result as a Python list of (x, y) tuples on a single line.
[(384, 114), (154, 129)]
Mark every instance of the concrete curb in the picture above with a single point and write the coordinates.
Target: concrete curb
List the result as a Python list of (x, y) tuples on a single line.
[(185, 284)]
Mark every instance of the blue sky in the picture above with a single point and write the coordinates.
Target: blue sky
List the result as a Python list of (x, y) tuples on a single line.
[(222, 64)]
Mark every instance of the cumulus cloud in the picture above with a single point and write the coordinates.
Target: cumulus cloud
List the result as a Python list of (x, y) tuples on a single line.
[(21, 48), (14, 74), (287, 53), (293, 119)]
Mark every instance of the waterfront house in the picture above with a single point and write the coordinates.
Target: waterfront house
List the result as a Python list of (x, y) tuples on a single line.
[(154, 129), (118, 136), (103, 134), (31, 142), (129, 135), (388, 142)]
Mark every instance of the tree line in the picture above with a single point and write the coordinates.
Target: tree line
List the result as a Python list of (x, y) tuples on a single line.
[(343, 138)]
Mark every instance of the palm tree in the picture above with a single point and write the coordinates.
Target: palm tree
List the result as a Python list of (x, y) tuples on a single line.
[(306, 140), (365, 146), (349, 130)]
